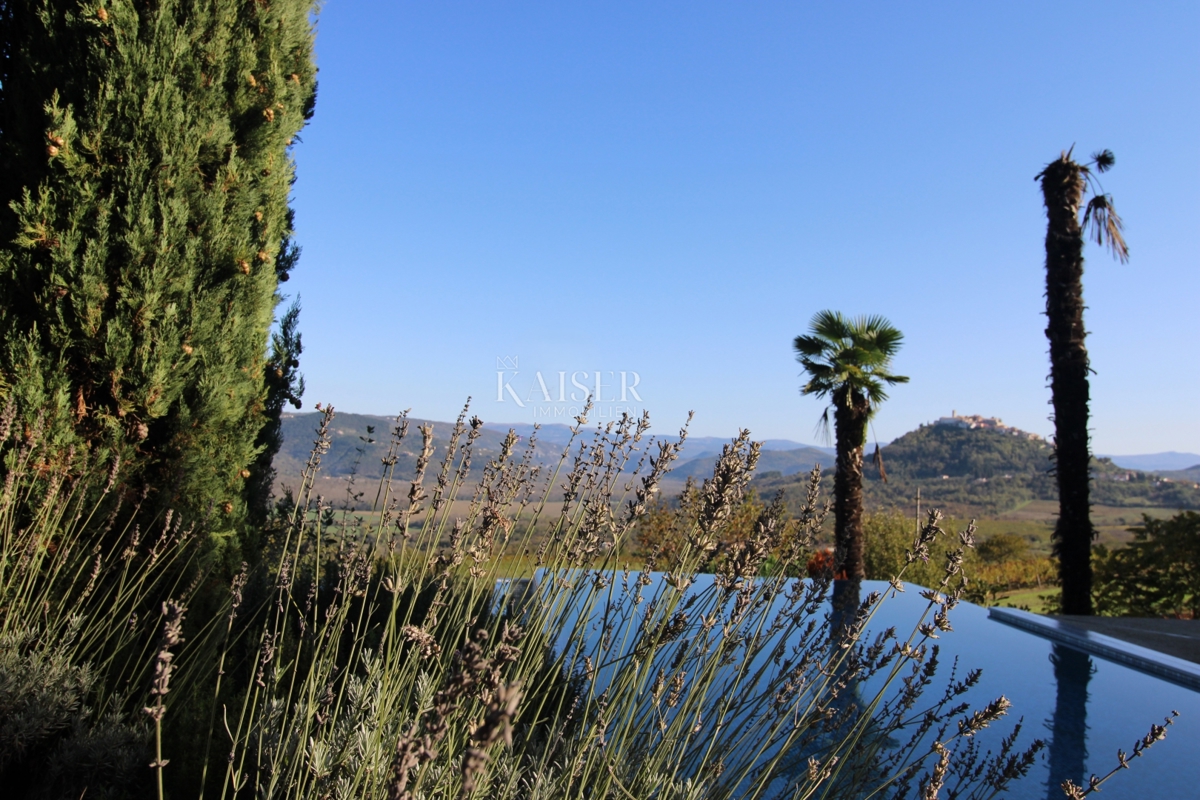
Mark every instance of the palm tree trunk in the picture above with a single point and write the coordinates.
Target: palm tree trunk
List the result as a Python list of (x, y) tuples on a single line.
[(1068, 727), (1062, 189), (850, 426)]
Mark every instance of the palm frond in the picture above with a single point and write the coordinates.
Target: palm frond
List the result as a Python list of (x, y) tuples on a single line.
[(822, 431), (811, 346), (1104, 225), (817, 367), (830, 325), (886, 338), (818, 388)]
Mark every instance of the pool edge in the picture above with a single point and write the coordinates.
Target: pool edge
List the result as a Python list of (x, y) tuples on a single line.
[(1176, 670)]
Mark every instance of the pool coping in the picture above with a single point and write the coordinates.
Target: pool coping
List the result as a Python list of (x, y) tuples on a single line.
[(1143, 659)]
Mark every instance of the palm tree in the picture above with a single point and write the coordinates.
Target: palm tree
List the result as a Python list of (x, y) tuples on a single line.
[(847, 360), (1064, 183)]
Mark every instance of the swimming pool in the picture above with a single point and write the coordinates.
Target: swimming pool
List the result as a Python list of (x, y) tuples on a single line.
[(1086, 707)]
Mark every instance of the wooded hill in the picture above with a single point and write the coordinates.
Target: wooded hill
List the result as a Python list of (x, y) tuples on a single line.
[(990, 471)]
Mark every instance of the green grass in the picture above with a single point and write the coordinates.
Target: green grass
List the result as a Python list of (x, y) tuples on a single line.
[(1026, 598)]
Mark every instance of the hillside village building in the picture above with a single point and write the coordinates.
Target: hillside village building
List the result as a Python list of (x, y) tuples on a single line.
[(975, 421)]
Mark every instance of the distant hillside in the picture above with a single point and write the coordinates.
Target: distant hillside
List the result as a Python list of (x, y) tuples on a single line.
[(781, 462), (696, 447), (932, 451), (1190, 474), (992, 472), (1159, 462), (954, 467), (349, 432)]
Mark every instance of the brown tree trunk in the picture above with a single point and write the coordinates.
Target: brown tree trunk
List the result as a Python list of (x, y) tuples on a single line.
[(1062, 189), (850, 426)]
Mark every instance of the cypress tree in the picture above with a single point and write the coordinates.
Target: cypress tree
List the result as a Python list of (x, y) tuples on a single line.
[(144, 231), (284, 385)]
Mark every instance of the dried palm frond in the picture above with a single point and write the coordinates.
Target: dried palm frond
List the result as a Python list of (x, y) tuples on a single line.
[(1104, 160), (822, 430), (1106, 226)]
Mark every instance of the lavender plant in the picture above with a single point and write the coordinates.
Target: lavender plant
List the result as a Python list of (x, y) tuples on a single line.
[(78, 584), (486, 637), (500, 645)]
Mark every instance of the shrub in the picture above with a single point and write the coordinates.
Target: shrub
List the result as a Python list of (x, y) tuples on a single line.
[(1002, 547), (997, 565), (77, 621), (1156, 575), (662, 532), (889, 539)]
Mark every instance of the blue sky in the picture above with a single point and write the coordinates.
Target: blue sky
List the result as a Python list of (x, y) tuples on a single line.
[(674, 189)]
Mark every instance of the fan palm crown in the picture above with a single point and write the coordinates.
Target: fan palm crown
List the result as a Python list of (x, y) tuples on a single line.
[(844, 356)]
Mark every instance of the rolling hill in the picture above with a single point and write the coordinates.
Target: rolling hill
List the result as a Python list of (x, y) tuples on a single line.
[(992, 472), (770, 463), (977, 470), (359, 443), (1190, 474), (350, 449), (1158, 462)]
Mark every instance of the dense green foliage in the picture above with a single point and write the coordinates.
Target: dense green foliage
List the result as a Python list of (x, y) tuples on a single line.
[(888, 538), (996, 565), (1003, 547), (284, 385), (662, 534), (144, 229), (1157, 575)]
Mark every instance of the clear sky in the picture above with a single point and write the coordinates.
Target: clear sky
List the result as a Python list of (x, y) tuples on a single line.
[(674, 189)]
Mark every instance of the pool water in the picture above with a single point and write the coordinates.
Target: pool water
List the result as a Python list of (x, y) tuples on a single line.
[(1085, 707)]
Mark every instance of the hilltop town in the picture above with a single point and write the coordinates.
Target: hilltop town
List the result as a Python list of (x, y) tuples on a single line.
[(975, 421)]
